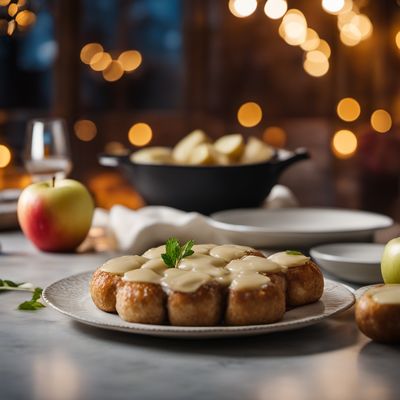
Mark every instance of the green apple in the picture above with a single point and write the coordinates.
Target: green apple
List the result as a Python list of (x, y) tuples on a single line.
[(390, 264), (56, 215)]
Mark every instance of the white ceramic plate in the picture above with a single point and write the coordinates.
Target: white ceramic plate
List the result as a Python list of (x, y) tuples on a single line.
[(70, 296), (297, 227), (353, 262)]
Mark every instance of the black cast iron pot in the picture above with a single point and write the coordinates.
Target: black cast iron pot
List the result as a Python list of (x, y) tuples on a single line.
[(205, 189)]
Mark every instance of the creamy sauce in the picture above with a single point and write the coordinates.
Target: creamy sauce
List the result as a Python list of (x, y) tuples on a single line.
[(203, 248), (289, 260), (155, 264), (249, 281), (388, 294), (120, 265), (187, 281), (142, 275), (200, 260), (155, 252), (253, 263), (197, 269), (230, 252)]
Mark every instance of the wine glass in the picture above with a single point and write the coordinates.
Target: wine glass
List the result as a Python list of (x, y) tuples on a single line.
[(46, 152)]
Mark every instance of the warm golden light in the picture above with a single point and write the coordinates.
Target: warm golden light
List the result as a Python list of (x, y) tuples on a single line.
[(5, 156), (4, 2), (348, 109), (85, 130), (324, 47), (275, 9), (293, 28), (316, 63), (140, 134), (115, 148), (275, 136), (350, 35), (397, 39), (25, 18), (344, 143), (249, 114), (89, 51), (363, 24), (242, 8), (100, 61), (333, 6), (381, 121), (130, 60), (312, 40), (113, 72), (12, 9), (11, 27), (345, 18)]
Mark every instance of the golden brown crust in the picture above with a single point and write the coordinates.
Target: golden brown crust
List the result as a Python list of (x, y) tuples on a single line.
[(103, 287), (250, 307), (305, 284), (203, 307), (380, 322), (141, 302)]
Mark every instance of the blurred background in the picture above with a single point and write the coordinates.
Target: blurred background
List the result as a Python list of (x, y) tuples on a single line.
[(320, 74)]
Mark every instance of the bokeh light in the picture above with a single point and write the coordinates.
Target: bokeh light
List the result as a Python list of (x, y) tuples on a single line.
[(381, 121), (348, 109), (130, 60), (293, 28), (25, 18), (100, 61), (350, 35), (12, 9), (242, 8), (115, 148), (333, 6), (344, 143), (113, 72), (89, 51), (140, 134), (5, 156), (363, 24), (316, 63), (397, 39), (275, 9), (11, 27), (275, 136), (4, 2), (249, 114), (324, 47), (85, 130), (312, 40), (345, 18)]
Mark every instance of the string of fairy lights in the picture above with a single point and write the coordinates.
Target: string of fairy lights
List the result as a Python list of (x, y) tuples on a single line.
[(353, 26)]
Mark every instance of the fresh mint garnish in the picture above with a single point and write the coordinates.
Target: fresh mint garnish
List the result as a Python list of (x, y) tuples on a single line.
[(34, 303), (174, 252)]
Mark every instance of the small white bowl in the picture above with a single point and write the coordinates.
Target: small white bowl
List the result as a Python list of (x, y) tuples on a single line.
[(353, 262)]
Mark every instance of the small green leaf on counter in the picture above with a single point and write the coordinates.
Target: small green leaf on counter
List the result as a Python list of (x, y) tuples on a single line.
[(293, 253), (174, 252), (32, 304)]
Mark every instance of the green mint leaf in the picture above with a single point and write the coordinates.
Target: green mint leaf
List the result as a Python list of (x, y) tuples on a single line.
[(30, 305), (174, 252), (167, 260), (37, 293), (293, 253), (7, 283)]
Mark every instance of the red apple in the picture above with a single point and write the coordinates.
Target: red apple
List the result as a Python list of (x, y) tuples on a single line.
[(56, 215)]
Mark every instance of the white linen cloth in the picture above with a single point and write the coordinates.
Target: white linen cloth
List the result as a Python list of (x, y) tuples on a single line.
[(136, 231)]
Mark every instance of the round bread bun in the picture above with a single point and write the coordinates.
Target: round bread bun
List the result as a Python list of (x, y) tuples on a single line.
[(305, 284), (256, 306), (141, 302), (103, 287), (380, 322), (204, 307)]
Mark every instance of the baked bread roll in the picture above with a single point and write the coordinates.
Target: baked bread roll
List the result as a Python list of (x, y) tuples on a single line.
[(304, 280), (378, 313)]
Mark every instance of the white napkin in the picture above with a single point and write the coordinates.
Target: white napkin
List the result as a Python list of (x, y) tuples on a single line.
[(136, 231)]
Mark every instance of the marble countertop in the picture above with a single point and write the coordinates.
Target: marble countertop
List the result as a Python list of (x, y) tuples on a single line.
[(46, 356)]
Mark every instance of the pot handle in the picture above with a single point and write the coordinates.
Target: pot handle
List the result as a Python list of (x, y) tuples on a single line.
[(286, 157), (108, 160)]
